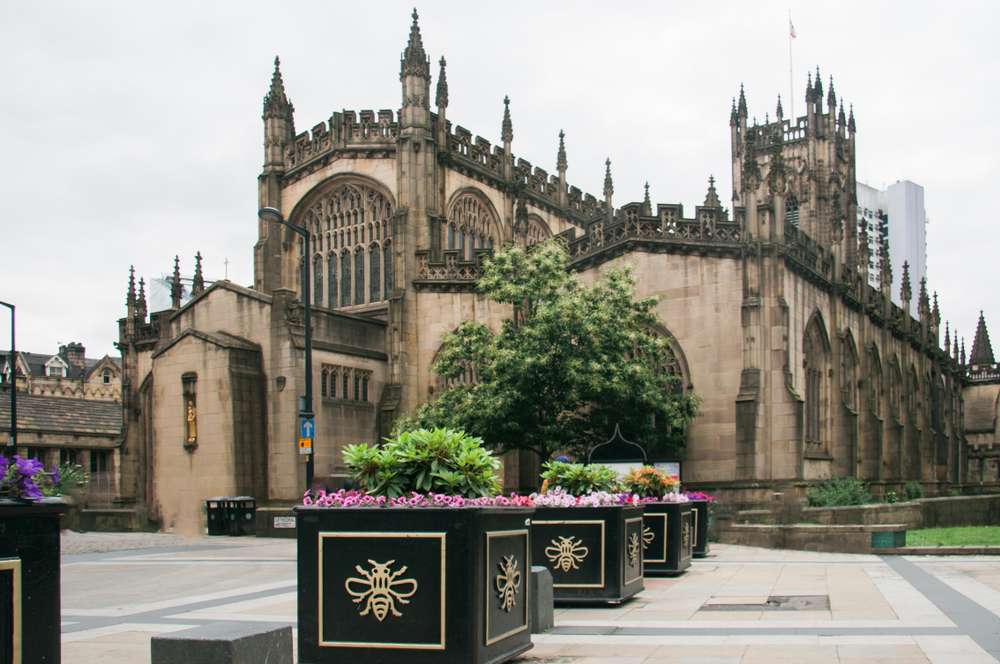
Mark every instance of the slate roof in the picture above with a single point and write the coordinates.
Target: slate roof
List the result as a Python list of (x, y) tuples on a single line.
[(59, 414), (36, 364)]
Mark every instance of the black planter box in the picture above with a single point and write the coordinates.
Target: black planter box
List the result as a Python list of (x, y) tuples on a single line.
[(700, 516), (29, 581), (594, 553), (667, 538), (413, 586)]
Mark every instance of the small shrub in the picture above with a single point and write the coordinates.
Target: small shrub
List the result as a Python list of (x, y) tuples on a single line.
[(914, 490), (839, 492), (429, 461), (891, 497), (579, 479), (649, 482)]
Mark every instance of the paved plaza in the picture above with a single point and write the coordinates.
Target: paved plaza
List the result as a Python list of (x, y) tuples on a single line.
[(741, 605)]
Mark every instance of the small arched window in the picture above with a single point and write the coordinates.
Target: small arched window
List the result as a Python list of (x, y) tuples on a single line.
[(106, 376)]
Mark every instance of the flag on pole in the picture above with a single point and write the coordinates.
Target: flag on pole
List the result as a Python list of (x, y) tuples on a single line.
[(791, 28)]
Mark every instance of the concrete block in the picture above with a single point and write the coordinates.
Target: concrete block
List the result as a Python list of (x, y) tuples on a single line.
[(541, 613), (225, 643)]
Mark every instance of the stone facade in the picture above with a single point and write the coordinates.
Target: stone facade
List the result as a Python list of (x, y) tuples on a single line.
[(982, 409), (804, 371)]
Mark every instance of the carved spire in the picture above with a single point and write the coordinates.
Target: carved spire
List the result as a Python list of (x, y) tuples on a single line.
[(647, 205), (809, 87), (982, 350), (831, 97), (818, 88), (954, 352), (441, 100), (885, 264), (609, 187), (779, 112), (198, 283), (276, 102), (507, 127), (140, 307), (733, 117), (961, 357), (176, 289), (905, 290), (841, 118), (130, 296), (414, 60), (561, 163), (923, 303), (743, 103), (936, 311), (712, 197), (850, 121), (947, 337)]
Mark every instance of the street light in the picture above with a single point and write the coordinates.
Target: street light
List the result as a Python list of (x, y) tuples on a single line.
[(273, 215), (12, 443)]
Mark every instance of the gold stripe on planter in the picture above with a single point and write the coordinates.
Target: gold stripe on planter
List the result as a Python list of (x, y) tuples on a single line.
[(694, 539), (567, 551), (12, 566), (379, 588), (507, 576), (665, 538)]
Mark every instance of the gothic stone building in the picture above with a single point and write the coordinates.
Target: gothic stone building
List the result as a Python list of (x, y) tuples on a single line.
[(804, 371)]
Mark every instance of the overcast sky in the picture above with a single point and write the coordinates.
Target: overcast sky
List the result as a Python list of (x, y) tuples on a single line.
[(132, 130)]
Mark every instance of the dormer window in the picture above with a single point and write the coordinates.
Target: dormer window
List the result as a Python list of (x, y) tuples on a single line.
[(55, 367), (106, 377)]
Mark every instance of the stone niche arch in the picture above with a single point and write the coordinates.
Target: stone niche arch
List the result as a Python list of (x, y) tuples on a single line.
[(473, 223), (537, 231), (816, 371), (349, 217)]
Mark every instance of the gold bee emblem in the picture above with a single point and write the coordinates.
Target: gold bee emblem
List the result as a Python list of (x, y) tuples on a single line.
[(633, 549), (380, 588), (566, 553), (647, 537), (507, 583)]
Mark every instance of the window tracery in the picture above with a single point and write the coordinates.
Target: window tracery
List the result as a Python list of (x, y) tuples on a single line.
[(816, 365), (472, 225)]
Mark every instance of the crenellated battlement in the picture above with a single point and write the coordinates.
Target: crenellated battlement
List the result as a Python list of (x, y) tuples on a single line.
[(345, 130)]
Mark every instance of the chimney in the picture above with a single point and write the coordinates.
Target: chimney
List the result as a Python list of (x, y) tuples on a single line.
[(74, 354)]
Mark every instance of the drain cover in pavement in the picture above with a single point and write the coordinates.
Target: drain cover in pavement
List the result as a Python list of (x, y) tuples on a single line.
[(772, 603)]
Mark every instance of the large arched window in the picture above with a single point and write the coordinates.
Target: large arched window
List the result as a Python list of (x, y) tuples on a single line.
[(472, 224), (345, 219), (331, 279), (816, 366), (538, 230)]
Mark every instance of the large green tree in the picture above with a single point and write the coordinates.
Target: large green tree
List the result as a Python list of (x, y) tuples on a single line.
[(572, 362)]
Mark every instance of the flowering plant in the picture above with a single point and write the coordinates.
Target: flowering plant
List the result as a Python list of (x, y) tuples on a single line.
[(666, 498), (27, 478), (558, 497), (648, 481), (579, 479), (355, 498), (699, 495)]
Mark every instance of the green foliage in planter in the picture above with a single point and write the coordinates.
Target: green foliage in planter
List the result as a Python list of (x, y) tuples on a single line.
[(578, 479), (839, 492), (428, 461), (914, 490), (648, 482)]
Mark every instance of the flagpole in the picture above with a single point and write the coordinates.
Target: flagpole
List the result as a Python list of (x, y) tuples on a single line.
[(791, 69)]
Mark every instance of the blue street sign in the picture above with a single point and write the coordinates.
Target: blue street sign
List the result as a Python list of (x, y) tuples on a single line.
[(307, 427)]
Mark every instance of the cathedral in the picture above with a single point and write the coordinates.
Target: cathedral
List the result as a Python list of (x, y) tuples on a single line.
[(804, 370)]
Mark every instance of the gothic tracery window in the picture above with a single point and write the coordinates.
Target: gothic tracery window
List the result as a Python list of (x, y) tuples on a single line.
[(538, 231), (347, 219), (816, 366), (471, 225), (375, 276), (317, 275), (849, 373)]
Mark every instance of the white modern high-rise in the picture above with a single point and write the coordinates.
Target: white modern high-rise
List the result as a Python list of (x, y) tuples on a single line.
[(895, 214)]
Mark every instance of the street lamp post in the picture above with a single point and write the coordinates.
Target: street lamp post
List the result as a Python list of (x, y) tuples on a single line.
[(12, 443), (273, 215)]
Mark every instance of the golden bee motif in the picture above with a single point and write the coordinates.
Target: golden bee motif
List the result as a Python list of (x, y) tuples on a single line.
[(380, 588), (566, 552), (507, 583), (647, 537), (633, 549)]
